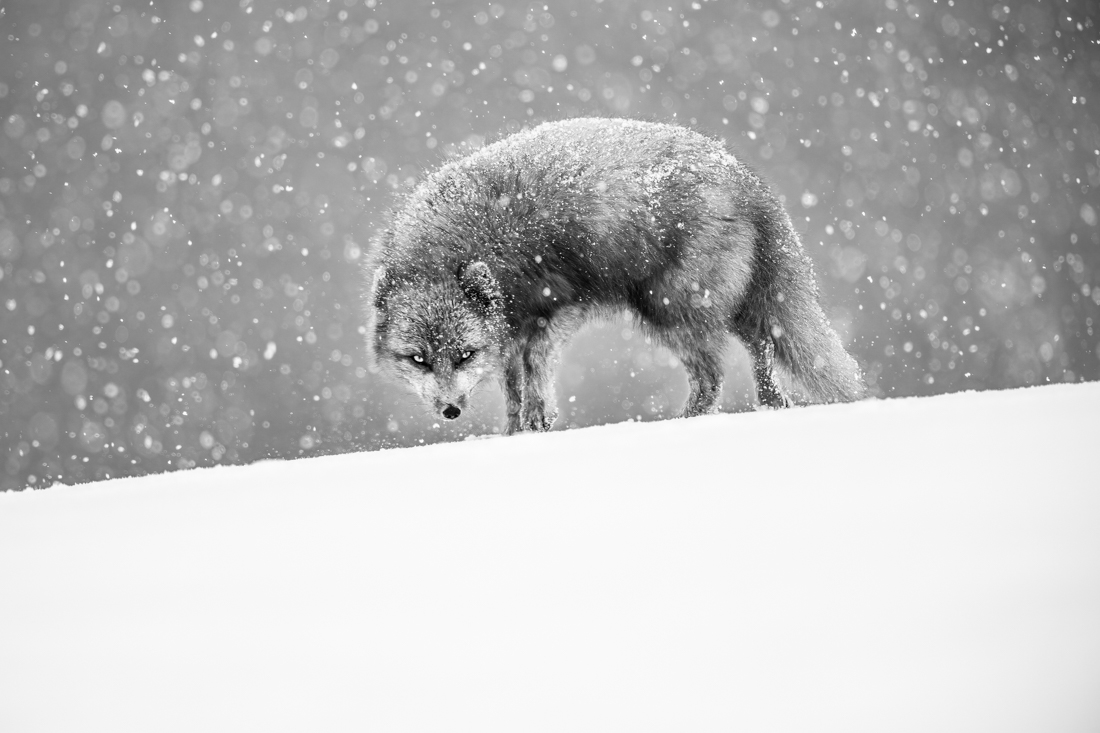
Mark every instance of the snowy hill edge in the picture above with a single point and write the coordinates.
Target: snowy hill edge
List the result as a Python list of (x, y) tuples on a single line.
[(751, 430)]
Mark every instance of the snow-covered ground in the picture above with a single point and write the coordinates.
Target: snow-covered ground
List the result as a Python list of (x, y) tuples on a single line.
[(902, 565)]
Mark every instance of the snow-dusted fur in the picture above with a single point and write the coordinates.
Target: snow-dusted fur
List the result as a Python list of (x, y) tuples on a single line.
[(496, 259)]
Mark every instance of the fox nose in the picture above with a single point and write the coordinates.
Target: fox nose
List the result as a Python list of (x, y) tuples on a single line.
[(451, 412)]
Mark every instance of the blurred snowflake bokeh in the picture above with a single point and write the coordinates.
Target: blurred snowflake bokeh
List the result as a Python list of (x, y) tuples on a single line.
[(188, 188)]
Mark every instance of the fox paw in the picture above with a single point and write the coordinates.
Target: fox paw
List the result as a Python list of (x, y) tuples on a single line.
[(540, 421), (774, 401)]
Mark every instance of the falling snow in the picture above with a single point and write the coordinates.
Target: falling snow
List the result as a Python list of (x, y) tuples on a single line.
[(187, 191)]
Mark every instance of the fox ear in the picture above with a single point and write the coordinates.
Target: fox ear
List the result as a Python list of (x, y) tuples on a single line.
[(377, 316), (381, 287), (480, 286)]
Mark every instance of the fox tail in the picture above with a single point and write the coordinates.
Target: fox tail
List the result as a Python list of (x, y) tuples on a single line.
[(782, 305)]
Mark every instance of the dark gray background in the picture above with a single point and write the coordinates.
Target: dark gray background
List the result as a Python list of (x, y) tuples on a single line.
[(187, 189)]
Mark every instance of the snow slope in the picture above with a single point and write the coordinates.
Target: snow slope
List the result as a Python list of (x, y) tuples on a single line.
[(903, 565)]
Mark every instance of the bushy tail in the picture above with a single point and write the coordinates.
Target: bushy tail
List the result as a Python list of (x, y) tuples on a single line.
[(782, 304)]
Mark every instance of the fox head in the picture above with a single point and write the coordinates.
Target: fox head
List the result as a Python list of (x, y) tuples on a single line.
[(441, 337)]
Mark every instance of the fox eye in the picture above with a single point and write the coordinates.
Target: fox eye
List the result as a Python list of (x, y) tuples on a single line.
[(417, 358), (465, 355)]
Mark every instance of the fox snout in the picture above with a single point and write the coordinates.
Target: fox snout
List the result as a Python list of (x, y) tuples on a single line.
[(450, 408)]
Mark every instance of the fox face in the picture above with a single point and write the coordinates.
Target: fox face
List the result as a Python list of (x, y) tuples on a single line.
[(440, 338)]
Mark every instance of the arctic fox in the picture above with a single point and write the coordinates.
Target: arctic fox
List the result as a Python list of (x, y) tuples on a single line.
[(495, 259)]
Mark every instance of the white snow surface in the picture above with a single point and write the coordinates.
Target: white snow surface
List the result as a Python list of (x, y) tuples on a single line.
[(901, 565)]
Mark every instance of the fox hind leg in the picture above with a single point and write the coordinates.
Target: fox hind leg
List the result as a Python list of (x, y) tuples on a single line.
[(768, 390), (704, 384), (702, 358)]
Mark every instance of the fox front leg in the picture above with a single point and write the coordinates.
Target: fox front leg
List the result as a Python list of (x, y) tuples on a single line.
[(513, 392), (539, 359)]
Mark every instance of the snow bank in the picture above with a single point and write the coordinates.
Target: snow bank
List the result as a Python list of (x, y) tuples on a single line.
[(902, 565)]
